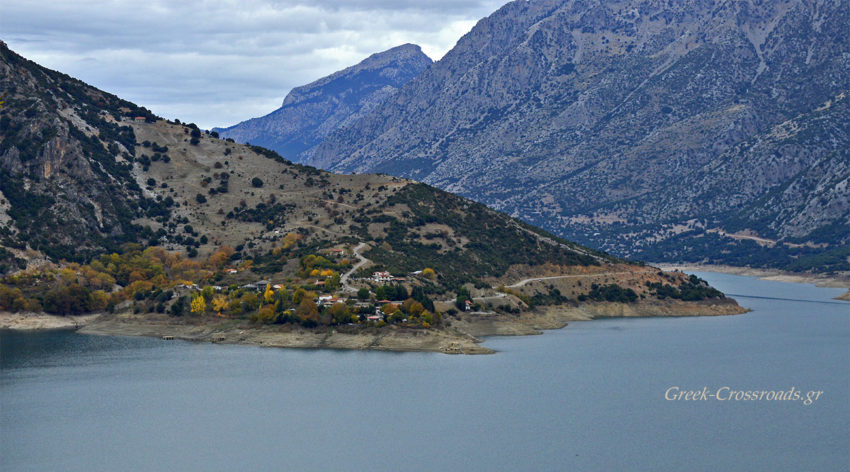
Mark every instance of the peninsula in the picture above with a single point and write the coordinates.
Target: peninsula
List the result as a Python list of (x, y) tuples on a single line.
[(168, 230)]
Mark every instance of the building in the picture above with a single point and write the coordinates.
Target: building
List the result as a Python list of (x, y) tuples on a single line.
[(382, 276)]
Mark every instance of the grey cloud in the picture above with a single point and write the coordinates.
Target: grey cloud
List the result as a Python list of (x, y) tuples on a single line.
[(219, 62)]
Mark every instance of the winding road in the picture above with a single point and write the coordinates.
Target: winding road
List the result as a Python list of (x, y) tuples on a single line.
[(361, 262)]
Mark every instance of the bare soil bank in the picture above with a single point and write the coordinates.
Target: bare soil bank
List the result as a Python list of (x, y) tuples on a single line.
[(839, 280), (558, 316), (42, 321), (389, 338), (461, 336)]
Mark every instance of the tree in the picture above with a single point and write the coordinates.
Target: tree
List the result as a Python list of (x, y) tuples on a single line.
[(256, 182), (462, 297), (268, 295), (99, 300), (399, 292), (429, 273), (198, 305), (217, 260), (219, 304), (412, 307), (363, 294), (389, 309), (250, 302), (340, 313), (178, 307), (298, 295), (264, 315), (208, 293), (333, 282), (419, 295), (69, 300), (282, 296), (289, 240), (12, 299), (307, 310)]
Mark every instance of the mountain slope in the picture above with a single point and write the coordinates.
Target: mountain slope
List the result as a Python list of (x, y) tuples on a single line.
[(65, 164), (311, 112), (85, 172), (258, 240), (628, 124)]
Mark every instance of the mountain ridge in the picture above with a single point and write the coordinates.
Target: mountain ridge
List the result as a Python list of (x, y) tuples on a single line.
[(604, 122), (310, 112)]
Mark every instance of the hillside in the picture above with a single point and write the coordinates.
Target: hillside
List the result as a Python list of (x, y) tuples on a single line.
[(175, 232), (310, 112), (685, 131), (85, 172)]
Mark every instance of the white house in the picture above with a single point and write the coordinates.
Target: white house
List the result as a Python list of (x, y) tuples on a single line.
[(382, 276)]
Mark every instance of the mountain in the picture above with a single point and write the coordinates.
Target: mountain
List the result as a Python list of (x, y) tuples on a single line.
[(84, 173), (173, 232), (701, 130), (67, 184), (311, 112)]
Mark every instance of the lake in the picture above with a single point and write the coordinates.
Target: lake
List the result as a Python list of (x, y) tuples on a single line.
[(587, 397)]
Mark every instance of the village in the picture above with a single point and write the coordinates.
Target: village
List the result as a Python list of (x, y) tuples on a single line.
[(319, 294)]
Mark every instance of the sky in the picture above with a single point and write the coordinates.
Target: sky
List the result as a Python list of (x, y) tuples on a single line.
[(219, 62)]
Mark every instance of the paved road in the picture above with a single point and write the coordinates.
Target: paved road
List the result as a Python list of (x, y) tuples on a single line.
[(361, 262)]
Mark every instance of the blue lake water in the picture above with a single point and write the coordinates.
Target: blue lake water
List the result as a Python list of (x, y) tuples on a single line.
[(587, 397)]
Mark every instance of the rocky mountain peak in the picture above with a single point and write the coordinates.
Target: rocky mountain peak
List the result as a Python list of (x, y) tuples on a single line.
[(312, 111)]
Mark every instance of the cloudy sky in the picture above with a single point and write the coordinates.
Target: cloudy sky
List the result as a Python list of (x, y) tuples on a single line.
[(216, 63)]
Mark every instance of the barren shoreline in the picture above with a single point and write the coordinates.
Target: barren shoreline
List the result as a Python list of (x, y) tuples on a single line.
[(43, 321), (841, 280), (461, 337)]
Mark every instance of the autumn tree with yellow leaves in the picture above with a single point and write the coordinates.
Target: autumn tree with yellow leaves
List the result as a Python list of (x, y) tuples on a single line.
[(198, 305)]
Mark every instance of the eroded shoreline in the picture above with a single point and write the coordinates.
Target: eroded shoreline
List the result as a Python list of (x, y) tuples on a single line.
[(461, 336), (841, 280)]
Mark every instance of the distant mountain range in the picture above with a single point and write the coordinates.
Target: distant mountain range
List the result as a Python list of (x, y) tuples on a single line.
[(310, 112), (699, 130)]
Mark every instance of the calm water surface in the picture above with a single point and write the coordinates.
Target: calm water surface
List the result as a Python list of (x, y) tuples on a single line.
[(587, 397)]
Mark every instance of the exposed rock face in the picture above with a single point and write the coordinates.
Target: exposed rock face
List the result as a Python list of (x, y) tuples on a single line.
[(65, 163), (311, 112), (636, 125)]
